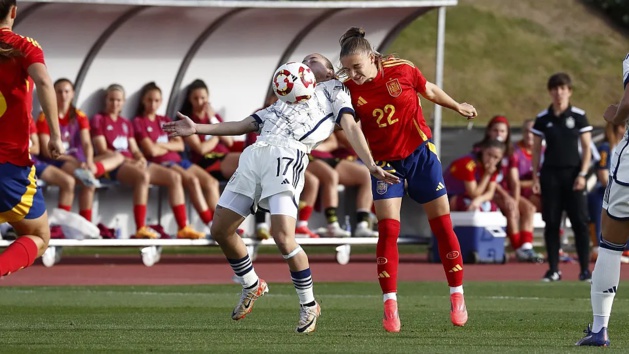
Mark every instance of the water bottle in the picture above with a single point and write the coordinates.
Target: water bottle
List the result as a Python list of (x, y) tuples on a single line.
[(117, 230), (348, 226)]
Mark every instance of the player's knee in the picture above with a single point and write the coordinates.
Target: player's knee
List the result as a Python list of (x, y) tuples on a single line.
[(192, 182), (174, 178), (67, 183), (288, 254)]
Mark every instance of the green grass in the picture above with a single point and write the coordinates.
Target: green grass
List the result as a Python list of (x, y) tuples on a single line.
[(511, 317), (499, 55)]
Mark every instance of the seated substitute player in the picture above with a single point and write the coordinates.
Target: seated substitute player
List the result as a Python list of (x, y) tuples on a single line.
[(615, 223), (270, 174), (471, 179), (158, 148)]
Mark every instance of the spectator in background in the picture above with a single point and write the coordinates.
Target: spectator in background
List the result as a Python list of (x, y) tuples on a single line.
[(112, 133), (79, 159), (613, 135), (212, 153), (353, 173), (523, 150), (471, 180), (518, 211), (50, 173), (155, 144), (328, 186), (561, 180)]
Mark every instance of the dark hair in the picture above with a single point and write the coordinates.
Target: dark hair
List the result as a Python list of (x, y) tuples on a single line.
[(186, 106), (151, 86), (353, 42), (559, 79), (5, 7), (489, 144), (7, 51), (495, 120), (72, 111)]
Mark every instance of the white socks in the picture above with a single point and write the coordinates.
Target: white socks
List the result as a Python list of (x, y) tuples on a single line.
[(389, 296), (605, 280), (456, 289)]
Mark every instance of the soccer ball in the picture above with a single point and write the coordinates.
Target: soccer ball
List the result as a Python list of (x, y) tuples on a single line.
[(293, 82)]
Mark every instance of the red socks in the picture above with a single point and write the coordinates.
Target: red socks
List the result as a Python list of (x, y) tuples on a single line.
[(206, 216), (20, 254), (527, 237), (387, 255), (87, 214), (516, 240), (180, 215), (64, 207), (449, 249), (139, 214), (304, 213), (100, 169)]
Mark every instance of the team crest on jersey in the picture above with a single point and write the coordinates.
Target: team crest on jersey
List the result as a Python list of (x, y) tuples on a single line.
[(381, 187), (570, 122), (394, 88), (125, 129)]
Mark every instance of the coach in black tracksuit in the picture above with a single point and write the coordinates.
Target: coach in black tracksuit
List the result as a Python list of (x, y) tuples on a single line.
[(562, 177)]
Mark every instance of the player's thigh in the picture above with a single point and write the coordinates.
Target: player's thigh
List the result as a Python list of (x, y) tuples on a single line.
[(615, 215), (34, 227), (57, 177), (19, 195), (388, 208), (324, 172), (352, 173), (162, 176), (614, 230), (131, 174)]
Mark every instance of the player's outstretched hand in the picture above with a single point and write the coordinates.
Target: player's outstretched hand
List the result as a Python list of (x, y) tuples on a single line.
[(55, 146), (182, 127), (467, 110), (383, 175)]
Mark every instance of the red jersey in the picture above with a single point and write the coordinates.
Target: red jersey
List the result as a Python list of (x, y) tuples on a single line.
[(16, 98), (390, 111), (152, 129), (461, 170), (220, 149), (116, 133)]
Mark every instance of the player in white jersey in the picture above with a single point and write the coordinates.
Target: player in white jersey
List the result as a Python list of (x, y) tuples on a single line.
[(270, 175), (615, 226)]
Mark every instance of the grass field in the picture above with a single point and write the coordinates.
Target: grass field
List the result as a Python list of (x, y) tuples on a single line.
[(513, 317)]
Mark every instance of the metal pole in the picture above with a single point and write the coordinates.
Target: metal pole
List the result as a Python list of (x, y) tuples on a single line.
[(441, 33)]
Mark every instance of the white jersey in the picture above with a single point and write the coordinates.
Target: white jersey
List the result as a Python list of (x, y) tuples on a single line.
[(304, 125), (616, 198)]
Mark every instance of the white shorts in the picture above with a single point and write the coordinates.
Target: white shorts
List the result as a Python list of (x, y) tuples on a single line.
[(266, 170), (616, 198)]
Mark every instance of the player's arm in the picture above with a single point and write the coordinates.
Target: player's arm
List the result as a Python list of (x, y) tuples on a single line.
[(173, 144), (359, 143), (46, 96), (536, 156), (186, 127), (88, 149), (618, 114), (151, 149), (34, 149), (436, 95)]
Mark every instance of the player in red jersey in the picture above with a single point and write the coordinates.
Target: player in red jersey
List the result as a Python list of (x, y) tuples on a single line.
[(112, 134), (21, 202), (160, 149), (79, 161), (212, 153), (385, 95)]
